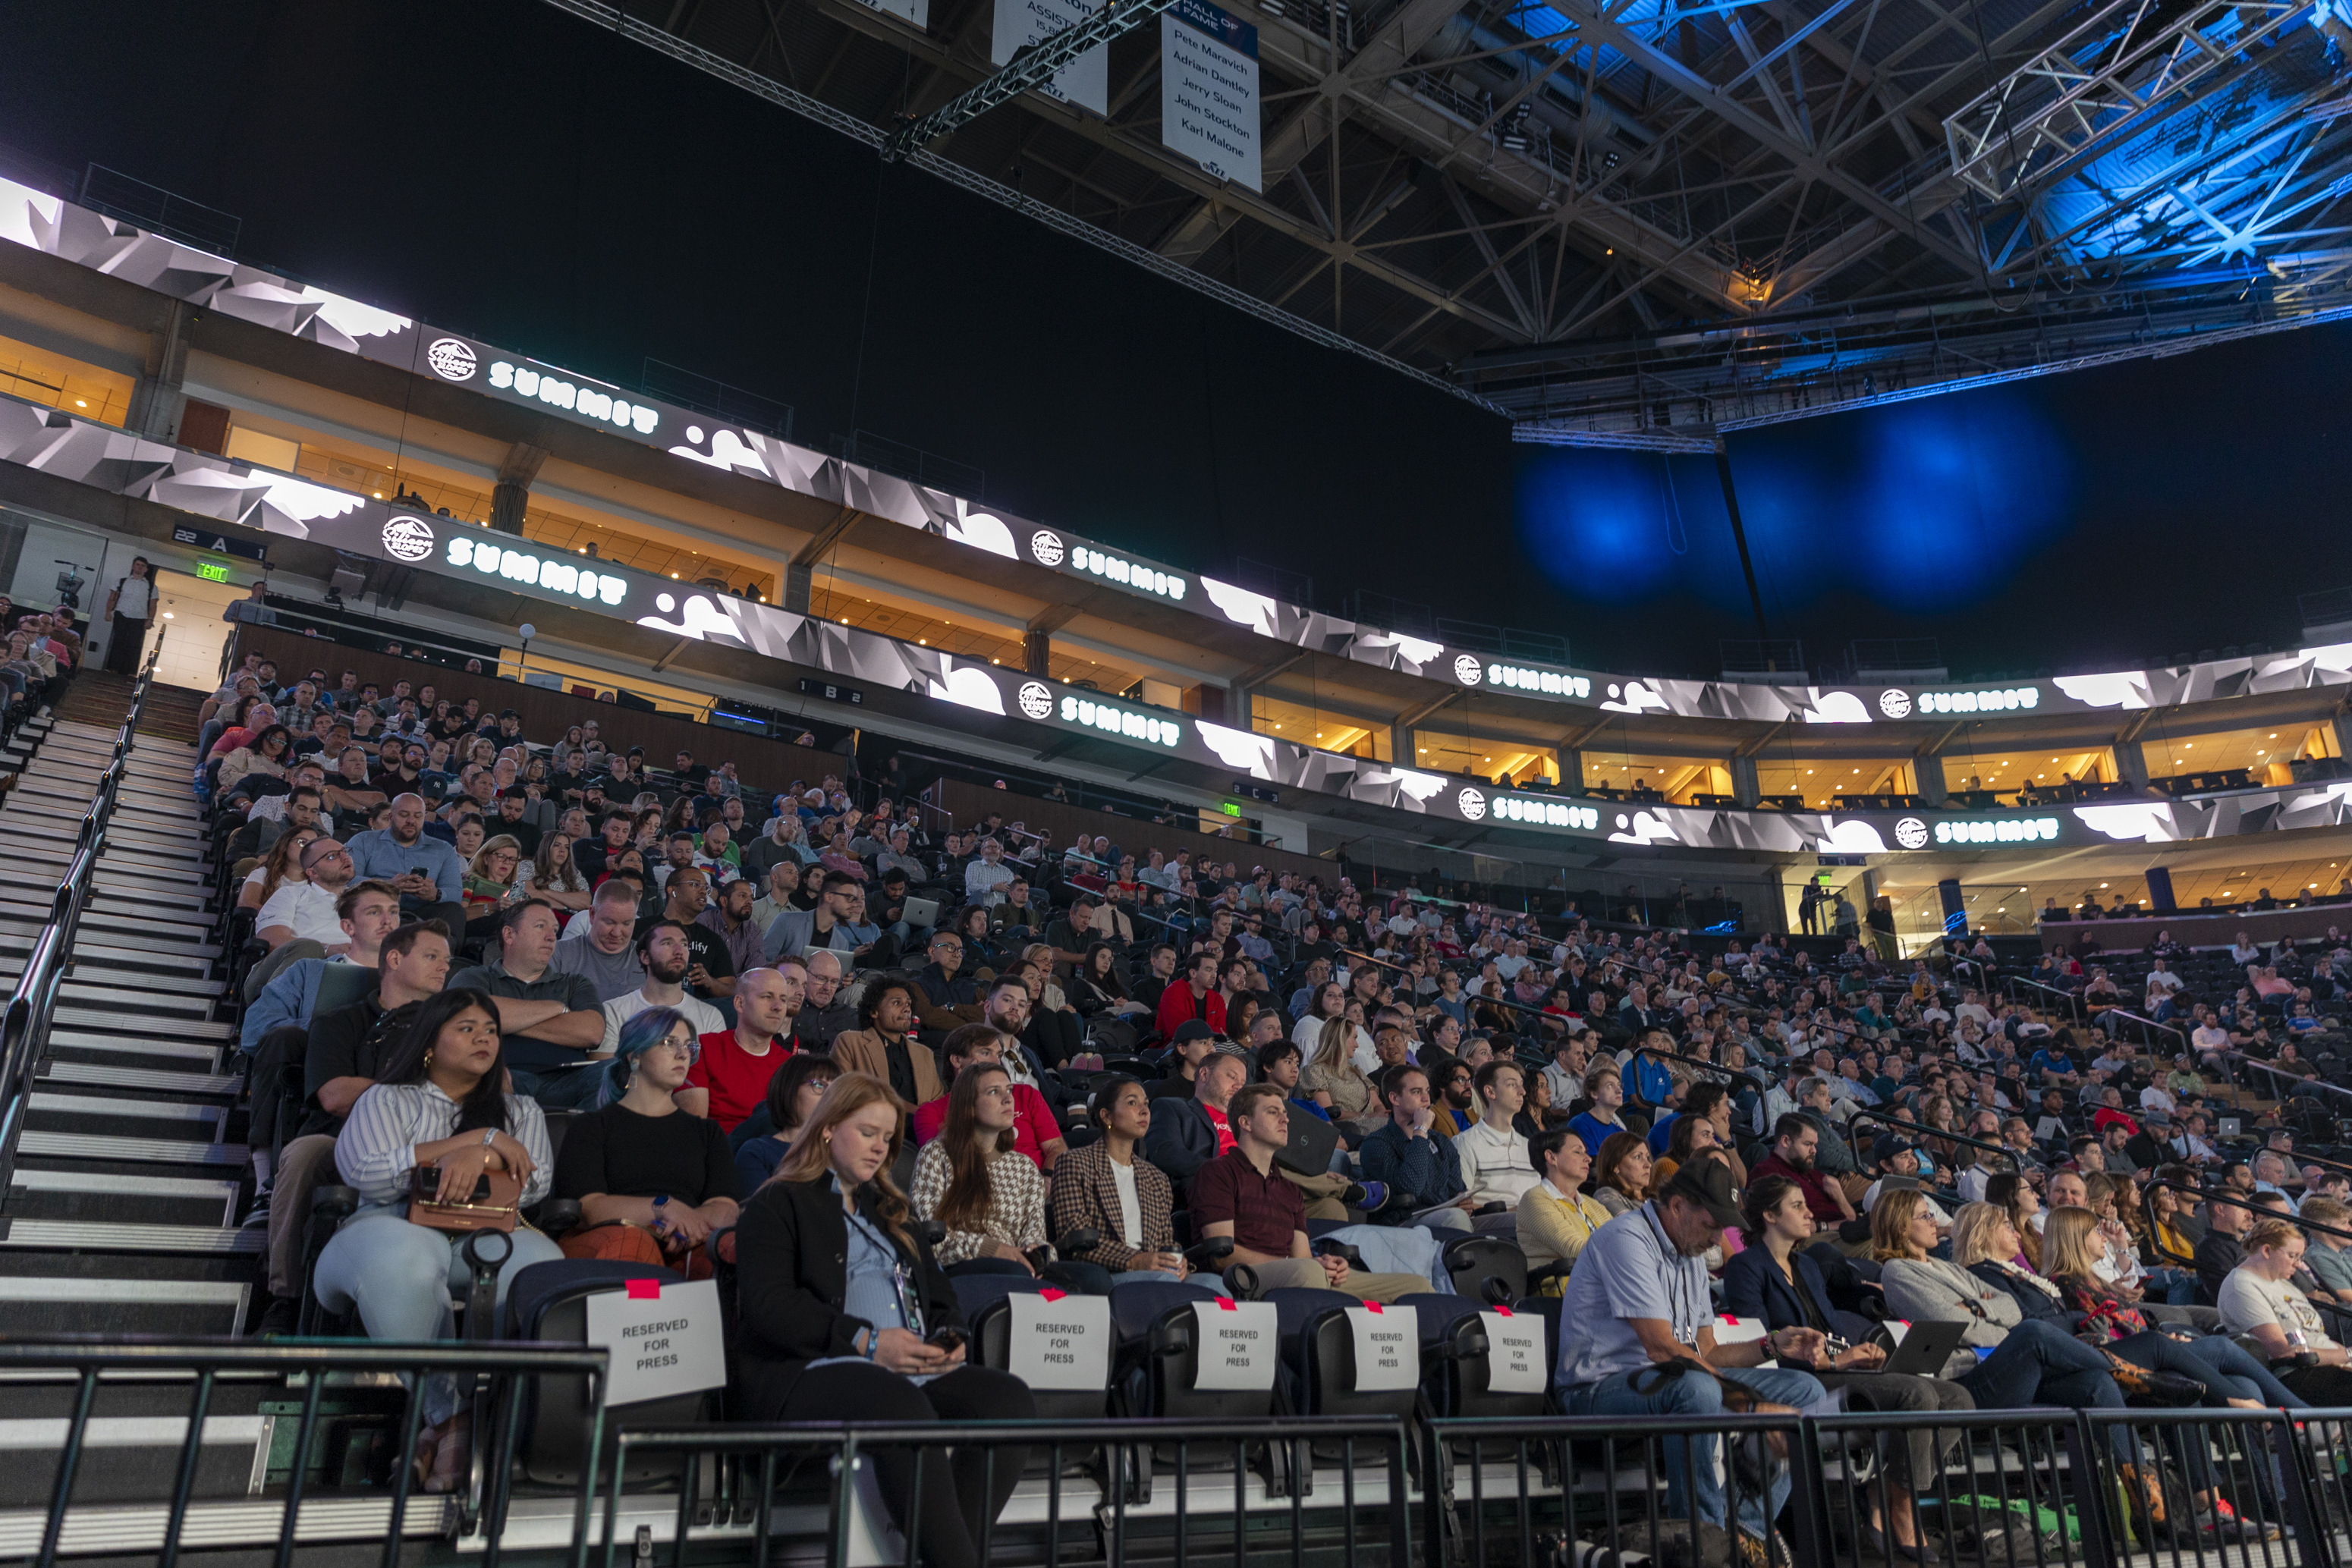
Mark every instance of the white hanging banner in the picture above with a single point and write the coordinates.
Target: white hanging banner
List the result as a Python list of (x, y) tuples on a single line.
[(1514, 1352), (664, 1339), (1084, 81), (1388, 1347), (1239, 1342), (1060, 1340), (1207, 91)]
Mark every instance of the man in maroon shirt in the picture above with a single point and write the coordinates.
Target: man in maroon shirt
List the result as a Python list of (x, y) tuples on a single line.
[(1240, 1195), (1794, 1144)]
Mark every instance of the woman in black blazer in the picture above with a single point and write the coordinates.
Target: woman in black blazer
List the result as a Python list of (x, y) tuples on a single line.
[(846, 1315), (1773, 1282)]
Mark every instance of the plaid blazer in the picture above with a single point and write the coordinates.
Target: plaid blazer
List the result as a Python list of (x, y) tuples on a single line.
[(1086, 1197)]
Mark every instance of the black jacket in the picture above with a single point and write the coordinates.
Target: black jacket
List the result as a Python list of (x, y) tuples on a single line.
[(2032, 1305), (791, 1249)]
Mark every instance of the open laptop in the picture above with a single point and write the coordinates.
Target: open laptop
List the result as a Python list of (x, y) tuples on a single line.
[(1925, 1347), (921, 912), (1312, 1139)]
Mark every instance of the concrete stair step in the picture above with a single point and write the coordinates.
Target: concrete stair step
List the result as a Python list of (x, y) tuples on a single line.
[(76, 1045), (136, 1001), (108, 1076), (118, 1150), (114, 1023), (102, 1236), (107, 1116), (73, 1194)]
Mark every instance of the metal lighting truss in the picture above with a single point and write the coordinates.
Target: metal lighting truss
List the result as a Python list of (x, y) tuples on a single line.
[(2125, 66), (1032, 68), (1640, 222)]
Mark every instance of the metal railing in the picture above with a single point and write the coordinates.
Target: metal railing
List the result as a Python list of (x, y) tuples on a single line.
[(311, 1370), (2073, 1000), (25, 1026), (1369, 1469), (1440, 1492)]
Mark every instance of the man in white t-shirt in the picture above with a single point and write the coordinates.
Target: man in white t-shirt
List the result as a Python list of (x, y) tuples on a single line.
[(306, 909), (2161, 985), (1972, 1010), (663, 953)]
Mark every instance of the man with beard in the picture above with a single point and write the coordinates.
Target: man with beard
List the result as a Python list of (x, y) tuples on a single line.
[(729, 1080), (663, 953), (822, 1016), (710, 967), (1795, 1141), (1640, 1300), (728, 919)]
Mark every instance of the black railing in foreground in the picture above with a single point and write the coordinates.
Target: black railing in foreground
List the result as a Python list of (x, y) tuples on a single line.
[(25, 1026), (489, 1368), (1113, 1502), (1319, 1490)]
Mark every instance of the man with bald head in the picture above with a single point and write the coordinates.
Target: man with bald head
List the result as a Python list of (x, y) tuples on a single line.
[(729, 1080), (425, 871), (825, 1013)]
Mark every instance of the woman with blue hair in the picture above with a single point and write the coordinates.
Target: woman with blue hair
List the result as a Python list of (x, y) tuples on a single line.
[(652, 1181)]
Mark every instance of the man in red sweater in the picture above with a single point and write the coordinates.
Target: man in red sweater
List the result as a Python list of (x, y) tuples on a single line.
[(1193, 996)]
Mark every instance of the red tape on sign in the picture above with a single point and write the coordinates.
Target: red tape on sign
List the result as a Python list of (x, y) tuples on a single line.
[(1052, 1295), (644, 1290)]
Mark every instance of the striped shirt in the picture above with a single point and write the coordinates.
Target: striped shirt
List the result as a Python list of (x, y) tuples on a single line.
[(376, 1150)]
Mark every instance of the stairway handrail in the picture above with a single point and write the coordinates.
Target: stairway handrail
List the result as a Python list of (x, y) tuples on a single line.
[(24, 1026)]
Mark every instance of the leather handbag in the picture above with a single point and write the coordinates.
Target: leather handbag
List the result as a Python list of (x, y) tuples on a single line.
[(495, 1205)]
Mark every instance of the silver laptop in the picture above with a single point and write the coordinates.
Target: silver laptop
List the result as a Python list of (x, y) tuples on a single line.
[(921, 912)]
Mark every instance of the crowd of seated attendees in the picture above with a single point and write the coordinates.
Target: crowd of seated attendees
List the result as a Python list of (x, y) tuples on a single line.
[(812, 1031)]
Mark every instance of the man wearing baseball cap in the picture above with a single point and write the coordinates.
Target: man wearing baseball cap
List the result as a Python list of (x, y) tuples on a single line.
[(1898, 1156), (1646, 1345)]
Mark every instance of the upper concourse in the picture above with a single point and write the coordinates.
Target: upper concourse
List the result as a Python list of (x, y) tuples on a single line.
[(1220, 688)]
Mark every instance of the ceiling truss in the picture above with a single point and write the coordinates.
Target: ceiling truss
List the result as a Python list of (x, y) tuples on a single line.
[(1648, 220)]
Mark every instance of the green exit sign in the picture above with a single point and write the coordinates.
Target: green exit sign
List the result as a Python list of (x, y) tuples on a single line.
[(213, 570), (1230, 810)]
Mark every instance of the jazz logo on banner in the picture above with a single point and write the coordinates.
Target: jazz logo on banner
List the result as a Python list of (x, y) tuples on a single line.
[(1207, 91)]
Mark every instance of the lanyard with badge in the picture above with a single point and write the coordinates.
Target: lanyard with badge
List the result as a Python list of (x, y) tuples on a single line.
[(910, 1312), (1683, 1319)]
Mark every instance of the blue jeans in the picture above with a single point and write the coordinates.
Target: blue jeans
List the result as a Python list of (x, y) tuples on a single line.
[(400, 1275), (2174, 1287), (2245, 1377), (2038, 1365), (1694, 1474)]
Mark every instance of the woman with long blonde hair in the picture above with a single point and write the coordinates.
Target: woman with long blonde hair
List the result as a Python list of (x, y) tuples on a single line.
[(843, 1309)]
